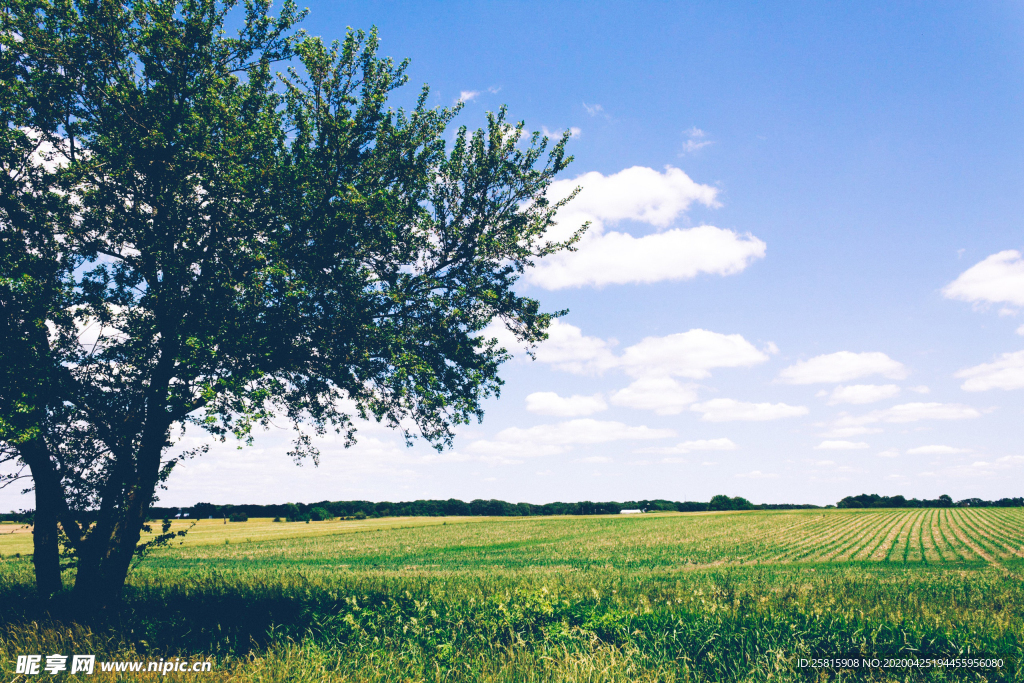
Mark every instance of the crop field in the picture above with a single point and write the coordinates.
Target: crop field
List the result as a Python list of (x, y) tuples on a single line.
[(741, 596)]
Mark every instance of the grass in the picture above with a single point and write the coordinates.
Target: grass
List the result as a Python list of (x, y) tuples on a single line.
[(662, 597)]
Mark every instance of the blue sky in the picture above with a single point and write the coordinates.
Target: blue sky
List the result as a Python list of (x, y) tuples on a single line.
[(803, 280)]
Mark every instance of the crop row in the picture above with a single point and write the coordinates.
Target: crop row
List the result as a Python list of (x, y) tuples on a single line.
[(918, 535)]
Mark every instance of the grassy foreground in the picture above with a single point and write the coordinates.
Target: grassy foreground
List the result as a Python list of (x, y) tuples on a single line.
[(667, 597)]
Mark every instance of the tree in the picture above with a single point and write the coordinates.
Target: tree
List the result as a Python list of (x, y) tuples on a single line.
[(188, 239), (720, 502)]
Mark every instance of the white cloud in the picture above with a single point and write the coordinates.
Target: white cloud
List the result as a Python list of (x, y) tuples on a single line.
[(647, 196), (593, 109), (690, 354), (890, 453), (550, 403), (697, 445), (574, 132), (842, 366), (997, 279), (841, 446), (1007, 372), (566, 348), (936, 450), (618, 258), (695, 139), (468, 95), (663, 395), (860, 394), (986, 468), (638, 194), (922, 389), (910, 412), (552, 439), (728, 410), (593, 459)]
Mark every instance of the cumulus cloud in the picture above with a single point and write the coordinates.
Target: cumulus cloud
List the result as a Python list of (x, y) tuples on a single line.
[(566, 348), (618, 258), (890, 453), (697, 445), (842, 366), (841, 446), (690, 354), (730, 410), (997, 279), (936, 450), (647, 196), (553, 439), (550, 403), (1007, 372), (860, 394), (910, 412), (663, 395), (468, 95), (638, 193)]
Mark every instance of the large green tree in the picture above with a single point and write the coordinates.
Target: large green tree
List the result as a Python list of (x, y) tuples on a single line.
[(190, 237)]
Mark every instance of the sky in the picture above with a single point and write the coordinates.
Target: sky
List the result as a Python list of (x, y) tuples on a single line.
[(804, 277)]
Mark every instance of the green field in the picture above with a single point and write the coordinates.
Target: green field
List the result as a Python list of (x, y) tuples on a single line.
[(662, 597)]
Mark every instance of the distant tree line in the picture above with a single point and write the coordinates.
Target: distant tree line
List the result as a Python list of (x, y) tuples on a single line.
[(362, 509), (874, 500), (455, 508)]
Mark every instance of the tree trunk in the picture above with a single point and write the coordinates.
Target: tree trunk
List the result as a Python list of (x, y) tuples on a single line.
[(106, 557), (45, 535), (45, 549), (102, 575)]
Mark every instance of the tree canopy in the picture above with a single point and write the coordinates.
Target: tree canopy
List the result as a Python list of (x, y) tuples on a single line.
[(188, 237)]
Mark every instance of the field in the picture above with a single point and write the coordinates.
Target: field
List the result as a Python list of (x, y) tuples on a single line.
[(663, 597)]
